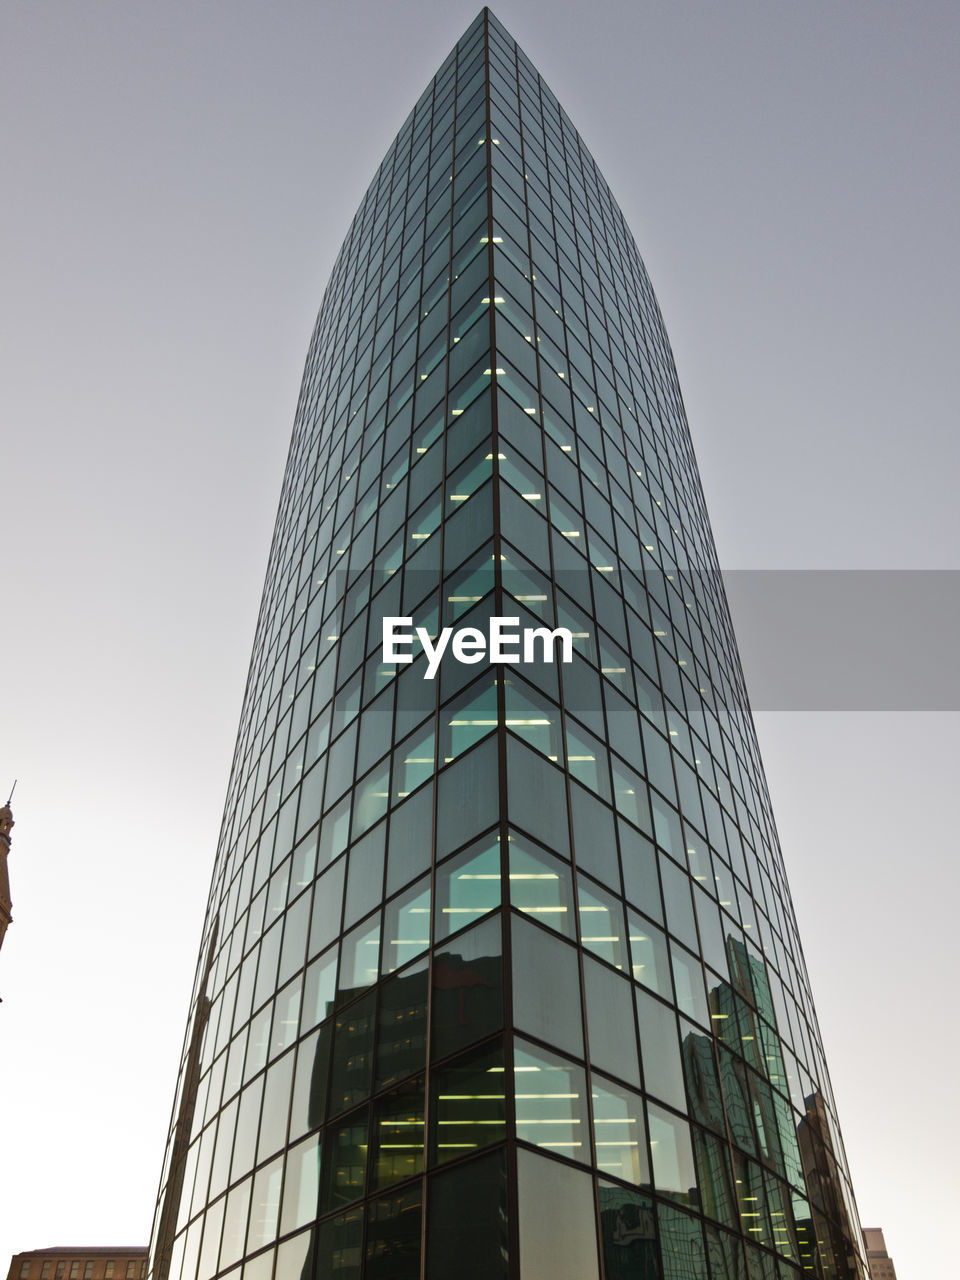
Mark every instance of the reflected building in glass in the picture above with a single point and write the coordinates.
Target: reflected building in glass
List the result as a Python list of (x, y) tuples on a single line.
[(500, 975)]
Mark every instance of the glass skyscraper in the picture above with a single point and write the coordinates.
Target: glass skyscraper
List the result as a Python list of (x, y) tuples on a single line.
[(500, 975)]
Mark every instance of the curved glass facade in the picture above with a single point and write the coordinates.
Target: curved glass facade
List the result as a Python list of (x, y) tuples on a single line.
[(500, 975)]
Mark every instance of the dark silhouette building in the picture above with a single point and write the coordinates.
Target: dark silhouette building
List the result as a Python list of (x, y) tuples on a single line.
[(6, 904), (500, 975)]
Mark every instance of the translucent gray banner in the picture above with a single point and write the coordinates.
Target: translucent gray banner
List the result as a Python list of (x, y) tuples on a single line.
[(810, 640)]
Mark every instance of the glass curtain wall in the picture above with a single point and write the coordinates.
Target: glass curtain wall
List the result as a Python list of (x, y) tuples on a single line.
[(500, 975)]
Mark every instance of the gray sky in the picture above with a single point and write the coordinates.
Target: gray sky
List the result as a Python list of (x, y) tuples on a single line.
[(178, 179)]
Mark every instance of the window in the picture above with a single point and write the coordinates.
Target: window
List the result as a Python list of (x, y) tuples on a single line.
[(24, 1269), (131, 1269), (88, 1271), (61, 1268), (45, 1271)]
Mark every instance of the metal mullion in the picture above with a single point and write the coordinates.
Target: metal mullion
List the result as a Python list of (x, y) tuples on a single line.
[(509, 1102)]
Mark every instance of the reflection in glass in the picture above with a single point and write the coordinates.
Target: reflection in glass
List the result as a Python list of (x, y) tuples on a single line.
[(468, 1107), (393, 1237), (344, 1162), (468, 988), (681, 1245), (629, 1234), (402, 1039), (352, 1054), (337, 1248), (467, 1221), (398, 1134)]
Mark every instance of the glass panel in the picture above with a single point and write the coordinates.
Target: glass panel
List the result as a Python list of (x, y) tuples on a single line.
[(681, 1245), (372, 799), (676, 895), (467, 797), (352, 1054), (398, 1134), (537, 796), (587, 761), (714, 1178), (276, 1105), (212, 1224), (468, 988), (688, 979), (546, 987), (327, 902), (551, 1101), (648, 956), (234, 1224), (414, 762), (629, 1234), (365, 875), (345, 1162), (402, 1043), (319, 986), (467, 1221), (620, 1142), (641, 881), (601, 923), (310, 1085), (660, 1051), (393, 1237), (411, 836), (533, 718), (293, 1255), (594, 836), (610, 1023), (301, 1185), (359, 959), (468, 1106), (338, 1248), (468, 886), (673, 1169), (558, 1232), (406, 926), (245, 1139), (540, 885), (468, 718)]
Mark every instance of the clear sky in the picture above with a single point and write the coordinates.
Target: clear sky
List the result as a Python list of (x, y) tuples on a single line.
[(177, 180)]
